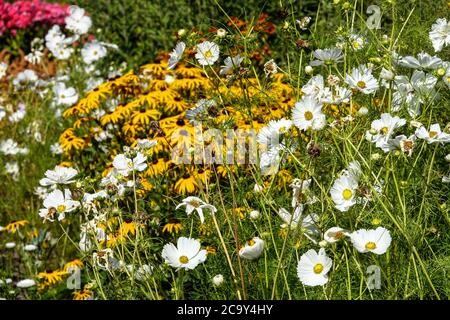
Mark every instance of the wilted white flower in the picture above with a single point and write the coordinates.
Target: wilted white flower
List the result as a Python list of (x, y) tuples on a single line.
[(270, 67), (176, 54), (30, 247), (218, 280), (10, 245), (253, 249)]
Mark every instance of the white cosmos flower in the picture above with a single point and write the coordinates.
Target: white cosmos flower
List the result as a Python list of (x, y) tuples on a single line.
[(440, 34), (357, 42), (376, 241), (343, 192), (315, 87), (92, 52), (336, 95), (26, 283), (361, 79), (143, 272), (175, 55), (382, 129), (423, 61), (270, 134), (435, 134), (307, 114), (253, 249), (125, 165), (194, 203), (335, 234), (218, 280), (65, 96), (313, 267), (10, 147), (58, 203), (327, 56), (145, 144), (25, 78), (230, 64), (401, 142), (10, 245), (187, 254), (207, 53), (270, 159), (77, 21), (60, 175)]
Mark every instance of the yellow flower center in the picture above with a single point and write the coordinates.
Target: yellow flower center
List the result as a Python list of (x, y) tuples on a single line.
[(371, 246), (448, 79), (184, 259), (251, 242), (433, 134), (61, 208), (347, 194), (194, 203), (384, 130), (130, 164), (361, 84), (308, 115), (356, 44), (208, 54), (318, 268)]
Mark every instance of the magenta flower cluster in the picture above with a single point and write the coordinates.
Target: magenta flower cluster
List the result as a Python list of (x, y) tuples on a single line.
[(25, 14)]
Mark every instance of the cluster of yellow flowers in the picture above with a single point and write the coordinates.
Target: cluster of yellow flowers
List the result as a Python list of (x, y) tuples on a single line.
[(152, 105)]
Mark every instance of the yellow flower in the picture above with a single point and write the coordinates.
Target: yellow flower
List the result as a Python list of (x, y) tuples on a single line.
[(12, 227), (53, 277), (173, 226), (82, 295), (187, 184), (73, 264), (143, 117)]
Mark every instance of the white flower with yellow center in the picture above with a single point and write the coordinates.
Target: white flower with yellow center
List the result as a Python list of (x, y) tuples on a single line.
[(77, 21), (423, 61), (327, 56), (207, 53), (361, 79), (60, 175), (92, 52), (270, 134), (125, 165), (194, 203), (186, 254), (357, 42), (376, 241), (382, 129), (343, 192), (313, 267), (307, 114), (230, 64), (440, 34), (175, 55), (58, 203), (335, 234), (434, 134), (253, 249)]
